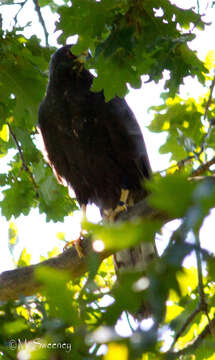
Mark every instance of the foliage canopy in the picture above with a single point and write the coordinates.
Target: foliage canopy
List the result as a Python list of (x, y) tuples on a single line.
[(131, 42)]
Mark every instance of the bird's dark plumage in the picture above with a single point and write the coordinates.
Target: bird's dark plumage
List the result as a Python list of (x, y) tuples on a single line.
[(96, 146)]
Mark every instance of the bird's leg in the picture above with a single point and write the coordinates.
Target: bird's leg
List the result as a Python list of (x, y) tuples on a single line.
[(110, 214), (77, 242), (81, 236), (122, 206)]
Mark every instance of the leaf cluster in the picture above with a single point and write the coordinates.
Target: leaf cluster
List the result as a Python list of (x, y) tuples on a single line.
[(132, 38), (29, 182)]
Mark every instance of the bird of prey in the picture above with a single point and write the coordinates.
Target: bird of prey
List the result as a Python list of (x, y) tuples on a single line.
[(96, 146)]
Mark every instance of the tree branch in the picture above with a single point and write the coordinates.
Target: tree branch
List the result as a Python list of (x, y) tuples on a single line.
[(185, 325), (190, 349), (180, 164), (24, 165), (211, 121), (42, 22), (204, 167), (208, 104), (21, 281), (22, 4)]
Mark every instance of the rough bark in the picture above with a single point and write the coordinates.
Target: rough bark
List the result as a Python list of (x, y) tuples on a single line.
[(22, 281)]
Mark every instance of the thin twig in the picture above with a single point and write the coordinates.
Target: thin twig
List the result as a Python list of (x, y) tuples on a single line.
[(180, 164), (185, 325), (96, 348), (12, 3), (128, 320), (202, 168), (203, 303), (191, 348), (42, 22), (25, 166), (210, 98), (22, 4), (198, 6), (207, 106)]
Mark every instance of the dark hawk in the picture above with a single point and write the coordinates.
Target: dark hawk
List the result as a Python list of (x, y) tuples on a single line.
[(96, 146)]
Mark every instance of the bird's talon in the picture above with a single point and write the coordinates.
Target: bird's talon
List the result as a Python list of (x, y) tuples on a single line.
[(77, 245), (110, 215), (120, 208), (121, 203)]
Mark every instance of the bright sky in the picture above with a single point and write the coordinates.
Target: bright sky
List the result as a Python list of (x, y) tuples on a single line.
[(38, 236)]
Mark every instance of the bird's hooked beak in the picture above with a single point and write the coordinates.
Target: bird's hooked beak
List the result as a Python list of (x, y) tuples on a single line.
[(82, 58), (79, 60)]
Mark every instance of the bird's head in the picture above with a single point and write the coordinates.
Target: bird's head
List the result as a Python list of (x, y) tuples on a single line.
[(63, 61)]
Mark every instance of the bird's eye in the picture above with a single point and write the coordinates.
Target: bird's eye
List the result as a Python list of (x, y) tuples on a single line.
[(69, 54)]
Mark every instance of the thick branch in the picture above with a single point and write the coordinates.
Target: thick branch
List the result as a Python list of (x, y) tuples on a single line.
[(15, 283), (22, 281)]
